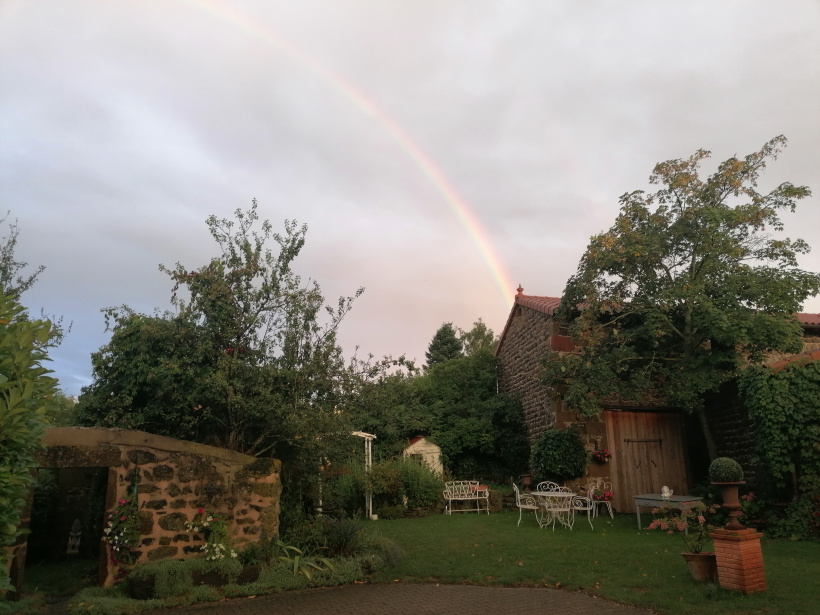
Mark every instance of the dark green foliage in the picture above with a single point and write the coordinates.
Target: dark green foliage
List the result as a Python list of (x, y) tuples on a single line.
[(684, 290), (480, 431), (457, 405), (390, 482), (25, 398), (725, 470), (785, 406), (559, 456), (248, 359), (480, 337), (444, 346)]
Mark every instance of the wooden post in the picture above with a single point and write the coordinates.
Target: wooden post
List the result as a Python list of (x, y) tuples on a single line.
[(740, 560)]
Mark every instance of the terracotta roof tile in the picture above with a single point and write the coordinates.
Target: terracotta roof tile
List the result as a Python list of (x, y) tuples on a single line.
[(547, 305), (812, 320)]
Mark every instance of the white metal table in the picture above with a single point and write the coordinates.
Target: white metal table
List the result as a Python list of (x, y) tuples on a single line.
[(563, 512), (656, 500)]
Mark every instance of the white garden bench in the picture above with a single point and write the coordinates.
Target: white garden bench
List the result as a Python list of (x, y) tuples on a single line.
[(465, 491)]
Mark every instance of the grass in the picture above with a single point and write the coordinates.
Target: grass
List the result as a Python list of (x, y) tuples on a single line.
[(60, 579), (614, 561)]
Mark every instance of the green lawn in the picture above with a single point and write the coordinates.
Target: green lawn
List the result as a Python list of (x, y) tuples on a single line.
[(614, 561)]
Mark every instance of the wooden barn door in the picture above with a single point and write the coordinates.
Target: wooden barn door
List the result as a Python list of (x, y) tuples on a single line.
[(647, 453)]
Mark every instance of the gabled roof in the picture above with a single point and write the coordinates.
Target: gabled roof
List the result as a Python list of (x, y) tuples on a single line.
[(546, 305)]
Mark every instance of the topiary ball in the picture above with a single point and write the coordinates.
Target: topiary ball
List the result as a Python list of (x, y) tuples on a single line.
[(559, 455), (725, 470)]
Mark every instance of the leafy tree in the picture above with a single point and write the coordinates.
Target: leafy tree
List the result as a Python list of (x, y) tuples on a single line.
[(480, 337), (25, 399), (444, 346), (684, 289), (480, 431), (245, 362), (13, 282)]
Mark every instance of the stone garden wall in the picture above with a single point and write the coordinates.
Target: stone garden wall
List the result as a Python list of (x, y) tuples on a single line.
[(175, 479)]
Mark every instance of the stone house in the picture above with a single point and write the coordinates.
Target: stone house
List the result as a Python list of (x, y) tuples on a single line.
[(651, 447)]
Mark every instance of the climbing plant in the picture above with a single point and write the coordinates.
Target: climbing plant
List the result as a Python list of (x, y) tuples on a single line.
[(786, 408)]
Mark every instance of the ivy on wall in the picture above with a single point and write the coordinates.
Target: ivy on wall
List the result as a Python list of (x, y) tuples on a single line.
[(785, 406)]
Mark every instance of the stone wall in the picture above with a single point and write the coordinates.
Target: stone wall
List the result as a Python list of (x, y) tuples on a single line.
[(175, 479), (526, 342)]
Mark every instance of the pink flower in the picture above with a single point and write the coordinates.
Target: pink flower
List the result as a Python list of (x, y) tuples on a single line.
[(701, 519), (122, 502), (122, 518), (670, 532), (664, 525), (653, 525), (201, 511), (681, 526)]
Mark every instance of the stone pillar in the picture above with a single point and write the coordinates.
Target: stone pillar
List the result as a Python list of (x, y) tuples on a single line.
[(740, 560)]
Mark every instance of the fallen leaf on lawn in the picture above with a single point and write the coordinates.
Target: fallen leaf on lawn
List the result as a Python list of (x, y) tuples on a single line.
[(520, 563)]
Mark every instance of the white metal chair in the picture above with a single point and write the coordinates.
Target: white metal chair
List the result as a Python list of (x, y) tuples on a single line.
[(524, 501), (585, 503), (547, 486), (602, 486)]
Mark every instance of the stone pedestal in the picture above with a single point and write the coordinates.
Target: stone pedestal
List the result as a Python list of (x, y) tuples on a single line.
[(740, 560)]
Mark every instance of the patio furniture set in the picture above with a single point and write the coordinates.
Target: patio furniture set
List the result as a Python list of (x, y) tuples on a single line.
[(553, 503)]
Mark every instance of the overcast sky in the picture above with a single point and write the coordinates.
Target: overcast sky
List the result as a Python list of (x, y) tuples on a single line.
[(440, 152)]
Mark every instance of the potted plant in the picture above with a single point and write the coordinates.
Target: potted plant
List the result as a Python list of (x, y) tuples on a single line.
[(727, 474), (690, 522), (601, 455)]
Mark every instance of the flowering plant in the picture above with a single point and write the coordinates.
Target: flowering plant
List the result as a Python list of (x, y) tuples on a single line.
[(122, 531), (601, 455), (217, 544), (690, 523), (602, 496)]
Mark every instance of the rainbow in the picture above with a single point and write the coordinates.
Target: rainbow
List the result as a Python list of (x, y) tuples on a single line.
[(460, 208)]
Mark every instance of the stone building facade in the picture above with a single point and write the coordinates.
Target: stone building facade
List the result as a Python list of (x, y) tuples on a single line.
[(174, 480)]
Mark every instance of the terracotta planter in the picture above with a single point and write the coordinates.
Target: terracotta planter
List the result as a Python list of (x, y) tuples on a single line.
[(702, 566), (526, 480), (728, 491)]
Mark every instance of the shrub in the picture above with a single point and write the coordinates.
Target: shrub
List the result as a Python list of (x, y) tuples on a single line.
[(725, 470), (26, 394), (559, 455)]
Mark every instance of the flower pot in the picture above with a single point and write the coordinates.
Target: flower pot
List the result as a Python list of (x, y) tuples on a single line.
[(702, 566), (728, 492), (526, 480)]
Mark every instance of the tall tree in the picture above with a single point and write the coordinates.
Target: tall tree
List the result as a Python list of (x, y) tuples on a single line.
[(480, 337), (684, 289), (444, 346), (248, 360)]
